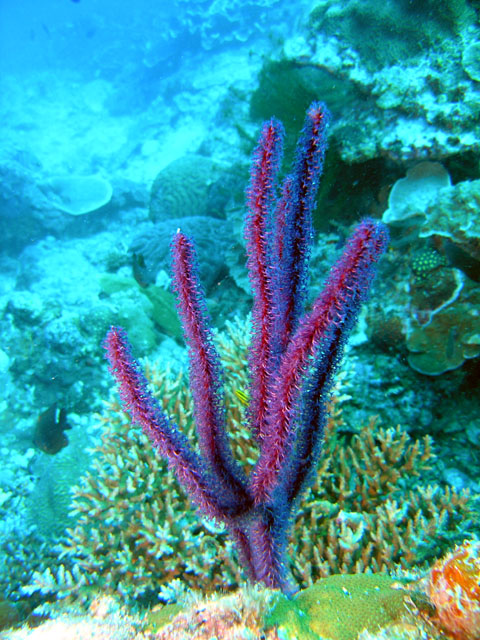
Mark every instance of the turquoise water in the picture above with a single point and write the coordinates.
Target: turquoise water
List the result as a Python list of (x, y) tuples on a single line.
[(123, 122)]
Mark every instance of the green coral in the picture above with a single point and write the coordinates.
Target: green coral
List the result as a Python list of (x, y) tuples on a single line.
[(139, 310), (164, 310), (340, 607)]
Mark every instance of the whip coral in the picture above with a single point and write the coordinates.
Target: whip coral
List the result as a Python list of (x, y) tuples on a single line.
[(293, 357)]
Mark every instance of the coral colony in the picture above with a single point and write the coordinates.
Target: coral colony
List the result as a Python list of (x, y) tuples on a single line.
[(292, 358)]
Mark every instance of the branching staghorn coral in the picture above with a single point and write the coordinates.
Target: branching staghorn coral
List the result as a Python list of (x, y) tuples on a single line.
[(153, 540), (149, 537), (350, 520), (368, 512)]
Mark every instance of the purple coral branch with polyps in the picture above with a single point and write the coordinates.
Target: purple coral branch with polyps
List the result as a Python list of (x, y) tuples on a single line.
[(292, 358)]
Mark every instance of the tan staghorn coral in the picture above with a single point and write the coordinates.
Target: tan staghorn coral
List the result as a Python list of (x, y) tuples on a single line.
[(365, 514), (136, 535), (135, 531)]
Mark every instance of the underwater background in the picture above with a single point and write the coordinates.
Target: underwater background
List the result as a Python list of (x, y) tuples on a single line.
[(125, 121)]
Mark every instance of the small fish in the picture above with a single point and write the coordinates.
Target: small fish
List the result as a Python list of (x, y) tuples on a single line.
[(242, 396), (142, 274), (49, 434)]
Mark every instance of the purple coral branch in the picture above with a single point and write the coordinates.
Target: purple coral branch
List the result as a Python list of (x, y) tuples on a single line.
[(292, 359), (206, 375), (312, 355), (165, 435), (258, 234), (293, 224)]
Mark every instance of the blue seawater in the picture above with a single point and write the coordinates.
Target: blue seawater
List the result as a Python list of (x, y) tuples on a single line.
[(124, 121)]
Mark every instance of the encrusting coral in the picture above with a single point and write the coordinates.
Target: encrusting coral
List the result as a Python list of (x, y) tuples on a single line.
[(341, 606), (451, 333), (135, 536)]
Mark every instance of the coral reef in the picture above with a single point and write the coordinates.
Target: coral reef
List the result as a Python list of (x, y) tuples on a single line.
[(150, 542), (366, 509), (443, 604), (402, 80), (365, 512), (435, 224), (426, 200), (451, 333), (424, 107)]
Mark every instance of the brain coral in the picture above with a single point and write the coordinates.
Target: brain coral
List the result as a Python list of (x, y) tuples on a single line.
[(182, 188)]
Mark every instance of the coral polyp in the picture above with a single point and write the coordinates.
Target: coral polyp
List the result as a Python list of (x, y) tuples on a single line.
[(454, 589)]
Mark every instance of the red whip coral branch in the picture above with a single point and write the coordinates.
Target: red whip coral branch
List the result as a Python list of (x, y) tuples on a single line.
[(293, 357)]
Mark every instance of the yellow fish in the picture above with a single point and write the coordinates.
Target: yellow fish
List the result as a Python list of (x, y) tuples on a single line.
[(242, 396)]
